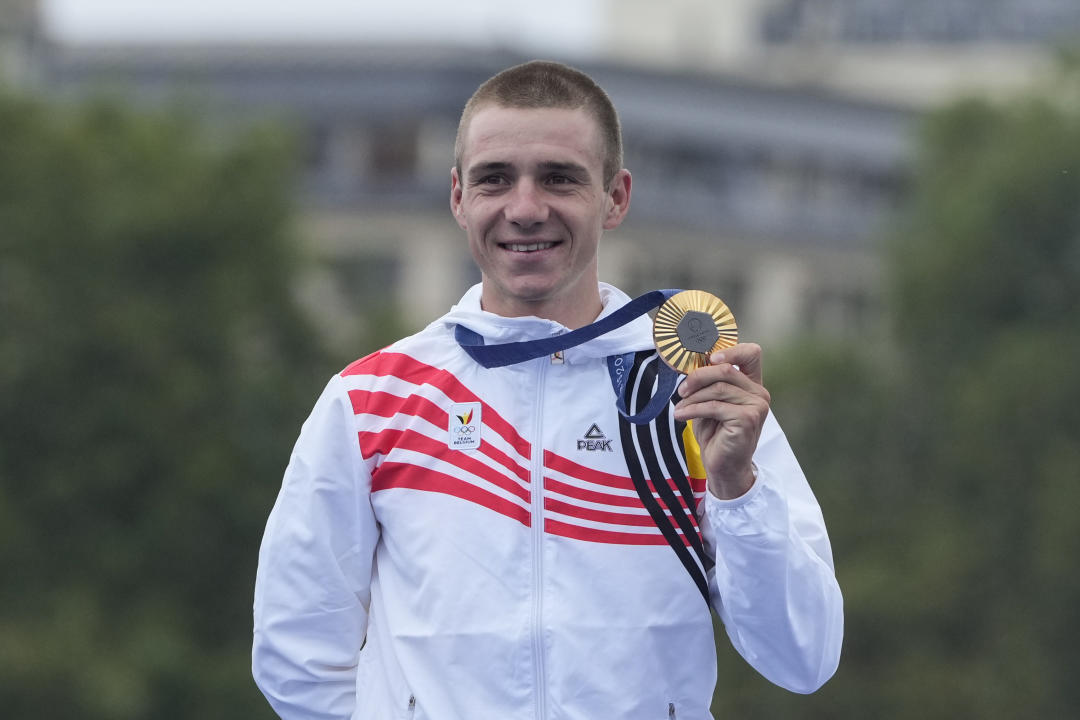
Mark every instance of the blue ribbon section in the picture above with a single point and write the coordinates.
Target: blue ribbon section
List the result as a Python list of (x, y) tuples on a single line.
[(666, 380), (501, 355)]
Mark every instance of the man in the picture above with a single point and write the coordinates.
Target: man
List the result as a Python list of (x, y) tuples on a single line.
[(455, 541)]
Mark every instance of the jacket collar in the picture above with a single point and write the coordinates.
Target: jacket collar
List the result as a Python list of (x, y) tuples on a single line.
[(635, 335)]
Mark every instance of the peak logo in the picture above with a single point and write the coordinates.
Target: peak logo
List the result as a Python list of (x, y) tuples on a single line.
[(465, 427), (594, 440)]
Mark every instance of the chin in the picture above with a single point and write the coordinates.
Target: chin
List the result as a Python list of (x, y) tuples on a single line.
[(530, 292)]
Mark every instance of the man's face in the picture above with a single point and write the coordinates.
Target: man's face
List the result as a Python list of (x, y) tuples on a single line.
[(531, 199)]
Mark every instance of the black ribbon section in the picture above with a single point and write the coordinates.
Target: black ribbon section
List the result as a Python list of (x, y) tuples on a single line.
[(637, 474), (682, 482)]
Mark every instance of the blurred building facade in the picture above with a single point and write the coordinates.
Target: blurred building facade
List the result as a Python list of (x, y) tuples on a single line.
[(773, 195), (770, 198), (915, 52)]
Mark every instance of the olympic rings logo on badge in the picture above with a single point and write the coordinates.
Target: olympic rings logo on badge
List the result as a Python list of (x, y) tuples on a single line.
[(466, 427)]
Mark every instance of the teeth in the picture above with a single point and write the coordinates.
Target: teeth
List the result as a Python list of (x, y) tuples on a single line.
[(530, 247)]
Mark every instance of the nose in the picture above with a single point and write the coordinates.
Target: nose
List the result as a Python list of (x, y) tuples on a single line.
[(525, 204)]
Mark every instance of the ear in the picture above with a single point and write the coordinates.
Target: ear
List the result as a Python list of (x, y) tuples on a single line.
[(618, 197), (456, 197)]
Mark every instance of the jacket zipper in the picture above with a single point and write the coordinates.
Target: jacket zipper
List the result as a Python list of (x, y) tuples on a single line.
[(671, 711), (538, 540), (412, 707)]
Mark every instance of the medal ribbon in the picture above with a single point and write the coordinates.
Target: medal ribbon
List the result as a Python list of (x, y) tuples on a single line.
[(512, 353)]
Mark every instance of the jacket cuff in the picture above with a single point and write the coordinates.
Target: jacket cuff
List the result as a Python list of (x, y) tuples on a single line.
[(760, 512), (721, 503)]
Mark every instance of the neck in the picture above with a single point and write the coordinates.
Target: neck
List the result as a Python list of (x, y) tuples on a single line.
[(572, 315)]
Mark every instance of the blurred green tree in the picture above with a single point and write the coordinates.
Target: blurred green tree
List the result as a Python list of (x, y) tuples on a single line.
[(154, 370), (948, 463)]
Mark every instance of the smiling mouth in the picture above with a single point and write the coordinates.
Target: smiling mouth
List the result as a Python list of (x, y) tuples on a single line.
[(527, 247)]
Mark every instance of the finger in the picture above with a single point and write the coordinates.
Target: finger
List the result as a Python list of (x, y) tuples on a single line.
[(746, 355), (717, 410), (750, 413), (724, 373), (722, 392), (719, 401)]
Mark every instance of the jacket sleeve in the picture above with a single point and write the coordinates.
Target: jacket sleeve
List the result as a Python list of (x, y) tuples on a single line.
[(774, 585), (312, 589)]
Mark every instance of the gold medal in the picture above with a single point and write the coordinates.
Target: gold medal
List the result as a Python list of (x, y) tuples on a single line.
[(690, 326)]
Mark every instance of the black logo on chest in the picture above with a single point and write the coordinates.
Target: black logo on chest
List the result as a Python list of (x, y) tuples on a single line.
[(594, 440)]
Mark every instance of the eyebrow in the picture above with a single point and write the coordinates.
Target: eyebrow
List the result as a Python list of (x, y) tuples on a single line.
[(477, 171), (565, 167)]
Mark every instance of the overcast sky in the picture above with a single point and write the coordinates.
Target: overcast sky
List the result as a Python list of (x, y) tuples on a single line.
[(570, 26)]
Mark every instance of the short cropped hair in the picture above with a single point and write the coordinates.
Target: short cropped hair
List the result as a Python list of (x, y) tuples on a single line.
[(544, 84)]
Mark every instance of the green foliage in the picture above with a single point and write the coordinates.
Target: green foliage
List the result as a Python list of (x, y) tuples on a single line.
[(947, 464), (154, 370), (991, 243)]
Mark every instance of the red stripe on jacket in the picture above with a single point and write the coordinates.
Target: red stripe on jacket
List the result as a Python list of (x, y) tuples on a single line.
[(386, 441), (409, 369), (403, 475), (588, 534), (387, 405), (598, 477)]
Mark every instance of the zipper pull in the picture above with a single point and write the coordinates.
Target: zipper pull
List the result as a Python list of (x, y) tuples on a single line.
[(412, 705), (671, 711)]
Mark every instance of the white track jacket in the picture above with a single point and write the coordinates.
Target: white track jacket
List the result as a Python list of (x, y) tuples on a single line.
[(458, 543)]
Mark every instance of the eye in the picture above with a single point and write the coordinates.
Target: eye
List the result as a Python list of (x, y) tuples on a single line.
[(560, 179), (490, 181)]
